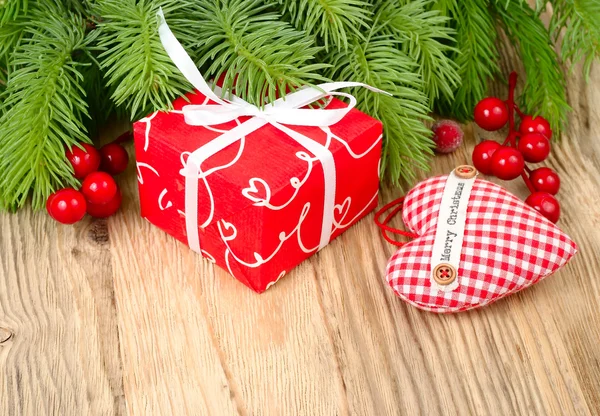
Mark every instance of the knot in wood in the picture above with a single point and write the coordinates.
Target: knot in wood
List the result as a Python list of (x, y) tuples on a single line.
[(98, 232), (5, 335)]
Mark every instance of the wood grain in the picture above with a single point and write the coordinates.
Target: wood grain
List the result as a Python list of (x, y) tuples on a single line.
[(59, 343), (116, 317)]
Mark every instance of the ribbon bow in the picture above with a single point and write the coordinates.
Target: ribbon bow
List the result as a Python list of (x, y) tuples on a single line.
[(284, 111)]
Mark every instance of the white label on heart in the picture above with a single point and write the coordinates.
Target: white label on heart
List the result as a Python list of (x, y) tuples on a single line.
[(450, 231)]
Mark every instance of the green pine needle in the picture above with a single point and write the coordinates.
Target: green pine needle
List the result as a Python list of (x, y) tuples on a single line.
[(259, 56), (11, 10), (579, 23), (379, 63), (139, 72), (333, 22), (97, 96), (10, 36), (425, 37), (477, 56), (544, 92), (44, 108), (13, 21)]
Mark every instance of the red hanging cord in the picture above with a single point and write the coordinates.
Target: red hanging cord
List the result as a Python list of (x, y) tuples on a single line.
[(125, 137), (385, 228)]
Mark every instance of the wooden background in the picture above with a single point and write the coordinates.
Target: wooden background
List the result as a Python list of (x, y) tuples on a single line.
[(113, 317)]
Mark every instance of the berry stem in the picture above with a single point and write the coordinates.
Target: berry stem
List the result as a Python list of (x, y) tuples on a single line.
[(513, 134), (511, 139), (527, 181), (518, 110), (125, 137), (512, 84)]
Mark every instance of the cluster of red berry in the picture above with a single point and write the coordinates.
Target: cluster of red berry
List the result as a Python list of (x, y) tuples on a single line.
[(507, 161), (99, 195)]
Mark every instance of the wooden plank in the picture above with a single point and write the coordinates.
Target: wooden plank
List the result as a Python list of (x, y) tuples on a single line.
[(57, 313)]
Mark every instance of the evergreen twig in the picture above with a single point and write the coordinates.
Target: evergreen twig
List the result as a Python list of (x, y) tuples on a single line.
[(97, 95), (258, 56), (11, 10), (333, 22), (13, 21), (544, 92), (377, 62), (581, 35), (139, 72), (424, 35), (477, 55), (44, 108)]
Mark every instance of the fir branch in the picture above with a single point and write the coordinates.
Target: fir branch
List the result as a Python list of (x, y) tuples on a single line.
[(77, 6), (477, 55), (97, 95), (11, 10), (13, 21), (580, 20), (544, 92), (445, 7), (259, 56), (136, 67), (333, 22), (45, 105), (379, 63), (10, 36), (425, 37)]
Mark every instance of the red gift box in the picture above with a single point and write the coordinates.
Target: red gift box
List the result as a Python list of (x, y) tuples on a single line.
[(261, 199), (266, 189)]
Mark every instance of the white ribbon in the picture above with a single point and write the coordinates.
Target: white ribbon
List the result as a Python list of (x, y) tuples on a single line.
[(450, 228), (284, 111)]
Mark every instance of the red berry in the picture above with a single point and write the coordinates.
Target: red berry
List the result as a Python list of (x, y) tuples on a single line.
[(491, 114), (447, 136), (106, 210), (84, 161), (114, 158), (99, 188), (507, 163), (482, 156), (545, 204), (66, 206), (545, 180), (534, 147), (535, 125)]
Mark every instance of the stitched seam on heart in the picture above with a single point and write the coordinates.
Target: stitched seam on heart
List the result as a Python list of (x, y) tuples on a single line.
[(469, 306)]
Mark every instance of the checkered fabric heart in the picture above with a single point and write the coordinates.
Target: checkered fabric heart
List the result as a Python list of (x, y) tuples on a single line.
[(507, 247)]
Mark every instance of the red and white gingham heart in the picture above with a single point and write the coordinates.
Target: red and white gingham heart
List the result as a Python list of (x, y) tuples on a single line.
[(507, 247)]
